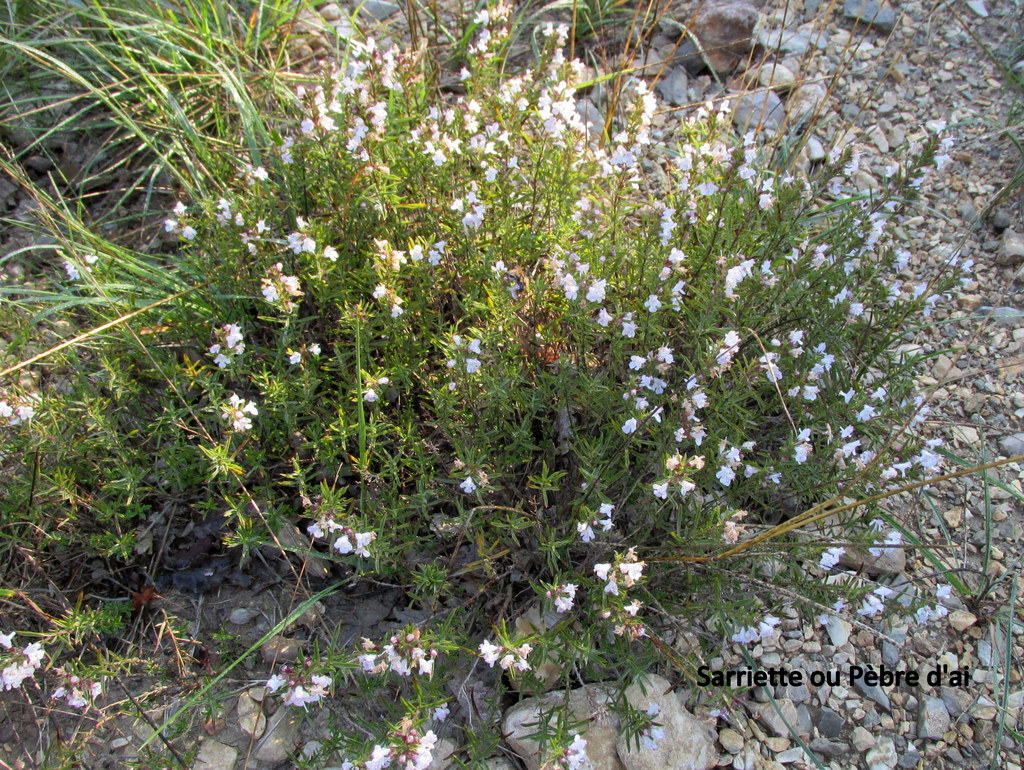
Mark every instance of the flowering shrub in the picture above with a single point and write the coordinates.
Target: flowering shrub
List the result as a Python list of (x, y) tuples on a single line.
[(437, 329)]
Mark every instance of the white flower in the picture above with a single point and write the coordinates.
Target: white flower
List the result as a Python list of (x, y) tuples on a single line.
[(653, 304), (629, 426), (276, 682), (941, 592), (586, 531), (472, 365), (331, 253), (468, 485), (725, 475), (660, 490), (489, 652), (831, 557)]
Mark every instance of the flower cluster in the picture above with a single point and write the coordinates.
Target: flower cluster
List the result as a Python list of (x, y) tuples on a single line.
[(186, 231), (228, 342), (572, 757), (348, 540), (506, 656), (72, 269), (237, 411), (652, 733), (585, 529), (20, 665), (76, 691), (750, 634), (626, 568), (407, 748), (563, 596), (405, 654), (464, 356), (302, 686), (279, 289), (296, 357), (15, 411)]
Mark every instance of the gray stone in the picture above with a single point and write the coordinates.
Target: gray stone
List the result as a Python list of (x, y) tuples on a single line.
[(673, 87), (956, 700), (978, 6), (775, 76), (242, 615), (883, 756), (815, 149), (828, 748), (803, 716), (879, 15), (1011, 248), (1011, 446), (689, 743), (874, 692), (795, 41), (795, 754), (379, 9), (830, 724), (214, 755), (932, 718), (1009, 316), (760, 109), (796, 693), (911, 760), (1000, 220), (890, 654), (688, 57)]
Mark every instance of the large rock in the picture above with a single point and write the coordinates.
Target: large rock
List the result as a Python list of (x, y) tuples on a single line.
[(688, 744), (726, 33), (590, 704)]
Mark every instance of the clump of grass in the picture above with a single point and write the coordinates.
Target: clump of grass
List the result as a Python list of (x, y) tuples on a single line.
[(479, 357)]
